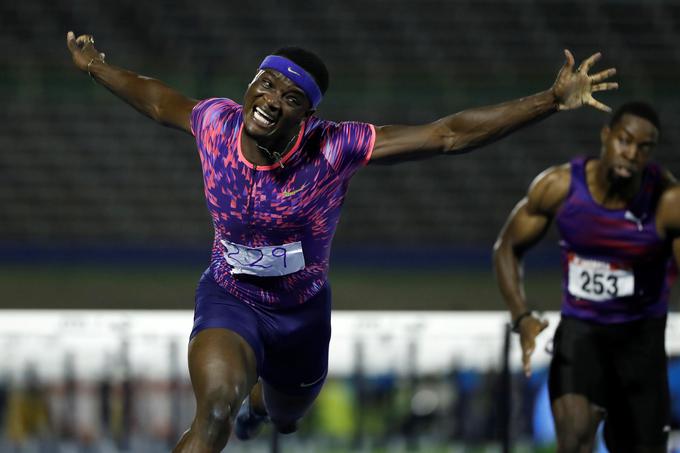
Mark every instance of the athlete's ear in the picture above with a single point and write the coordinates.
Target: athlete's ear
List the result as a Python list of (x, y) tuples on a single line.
[(604, 134)]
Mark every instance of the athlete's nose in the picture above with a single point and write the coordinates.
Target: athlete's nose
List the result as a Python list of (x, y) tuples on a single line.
[(630, 152), (273, 101)]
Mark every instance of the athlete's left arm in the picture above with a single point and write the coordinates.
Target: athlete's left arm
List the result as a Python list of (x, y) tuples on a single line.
[(469, 129), (668, 218)]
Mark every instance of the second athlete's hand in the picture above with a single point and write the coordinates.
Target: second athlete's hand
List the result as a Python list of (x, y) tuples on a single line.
[(529, 328)]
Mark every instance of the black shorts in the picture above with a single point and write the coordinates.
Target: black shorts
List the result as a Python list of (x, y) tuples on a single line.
[(622, 368)]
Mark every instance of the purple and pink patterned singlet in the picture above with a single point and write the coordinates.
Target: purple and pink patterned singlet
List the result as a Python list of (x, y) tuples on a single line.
[(274, 224)]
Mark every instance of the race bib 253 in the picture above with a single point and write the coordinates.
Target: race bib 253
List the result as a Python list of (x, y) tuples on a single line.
[(599, 281)]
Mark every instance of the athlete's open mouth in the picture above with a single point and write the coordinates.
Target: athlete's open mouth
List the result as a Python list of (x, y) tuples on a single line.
[(262, 118), (623, 171)]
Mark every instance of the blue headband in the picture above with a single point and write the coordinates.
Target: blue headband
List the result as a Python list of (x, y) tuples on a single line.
[(294, 72)]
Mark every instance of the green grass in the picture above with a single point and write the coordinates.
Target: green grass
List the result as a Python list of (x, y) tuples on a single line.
[(138, 287)]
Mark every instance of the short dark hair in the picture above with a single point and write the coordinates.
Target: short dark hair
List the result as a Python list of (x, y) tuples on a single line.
[(637, 108), (310, 62)]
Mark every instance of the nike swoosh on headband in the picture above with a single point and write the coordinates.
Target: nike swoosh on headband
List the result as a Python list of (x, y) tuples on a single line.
[(296, 74)]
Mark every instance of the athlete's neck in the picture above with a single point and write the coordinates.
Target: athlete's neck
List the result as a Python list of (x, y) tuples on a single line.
[(260, 151), (607, 191)]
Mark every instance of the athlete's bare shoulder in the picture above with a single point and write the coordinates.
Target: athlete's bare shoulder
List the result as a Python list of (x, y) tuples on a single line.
[(668, 211), (549, 189), (668, 179), (671, 195), (670, 198)]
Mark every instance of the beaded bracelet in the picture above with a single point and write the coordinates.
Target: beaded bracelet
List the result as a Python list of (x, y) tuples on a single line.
[(518, 320), (88, 68)]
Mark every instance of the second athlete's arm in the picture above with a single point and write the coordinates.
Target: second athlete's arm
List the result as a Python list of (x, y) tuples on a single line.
[(668, 219), (526, 225)]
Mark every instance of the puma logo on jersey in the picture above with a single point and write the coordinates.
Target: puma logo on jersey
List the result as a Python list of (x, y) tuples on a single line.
[(635, 219), (289, 193)]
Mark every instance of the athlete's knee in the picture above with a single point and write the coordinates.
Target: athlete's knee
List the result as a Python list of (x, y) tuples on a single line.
[(573, 439), (573, 434), (285, 426), (576, 422), (217, 415), (285, 418), (568, 444)]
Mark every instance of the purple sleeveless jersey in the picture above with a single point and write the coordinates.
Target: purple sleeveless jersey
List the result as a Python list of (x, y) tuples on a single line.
[(277, 212), (615, 266)]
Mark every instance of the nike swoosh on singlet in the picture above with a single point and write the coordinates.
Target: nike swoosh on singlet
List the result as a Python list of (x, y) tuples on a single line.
[(287, 193), (303, 384)]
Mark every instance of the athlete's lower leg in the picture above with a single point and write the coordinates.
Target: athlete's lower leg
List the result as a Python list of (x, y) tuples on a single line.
[(222, 368), (257, 399), (252, 415), (576, 423)]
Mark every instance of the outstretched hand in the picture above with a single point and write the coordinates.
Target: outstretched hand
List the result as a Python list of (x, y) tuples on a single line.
[(83, 51), (529, 329), (573, 89)]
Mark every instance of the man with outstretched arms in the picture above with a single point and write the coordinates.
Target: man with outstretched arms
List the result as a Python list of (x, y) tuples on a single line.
[(275, 176), (618, 218)]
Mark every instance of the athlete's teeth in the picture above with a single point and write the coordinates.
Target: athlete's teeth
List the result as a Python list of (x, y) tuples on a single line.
[(266, 117), (262, 117)]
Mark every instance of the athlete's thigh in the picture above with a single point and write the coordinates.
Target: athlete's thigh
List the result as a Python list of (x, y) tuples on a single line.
[(221, 364), (579, 362), (577, 381), (226, 346)]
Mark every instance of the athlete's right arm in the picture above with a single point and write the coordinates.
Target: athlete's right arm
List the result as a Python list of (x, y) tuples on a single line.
[(149, 96), (668, 219), (527, 224)]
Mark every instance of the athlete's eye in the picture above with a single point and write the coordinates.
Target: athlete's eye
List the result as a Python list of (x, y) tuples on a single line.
[(294, 101), (266, 83), (646, 148)]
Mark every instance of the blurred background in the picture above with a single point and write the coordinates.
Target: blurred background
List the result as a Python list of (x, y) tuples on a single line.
[(101, 208)]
